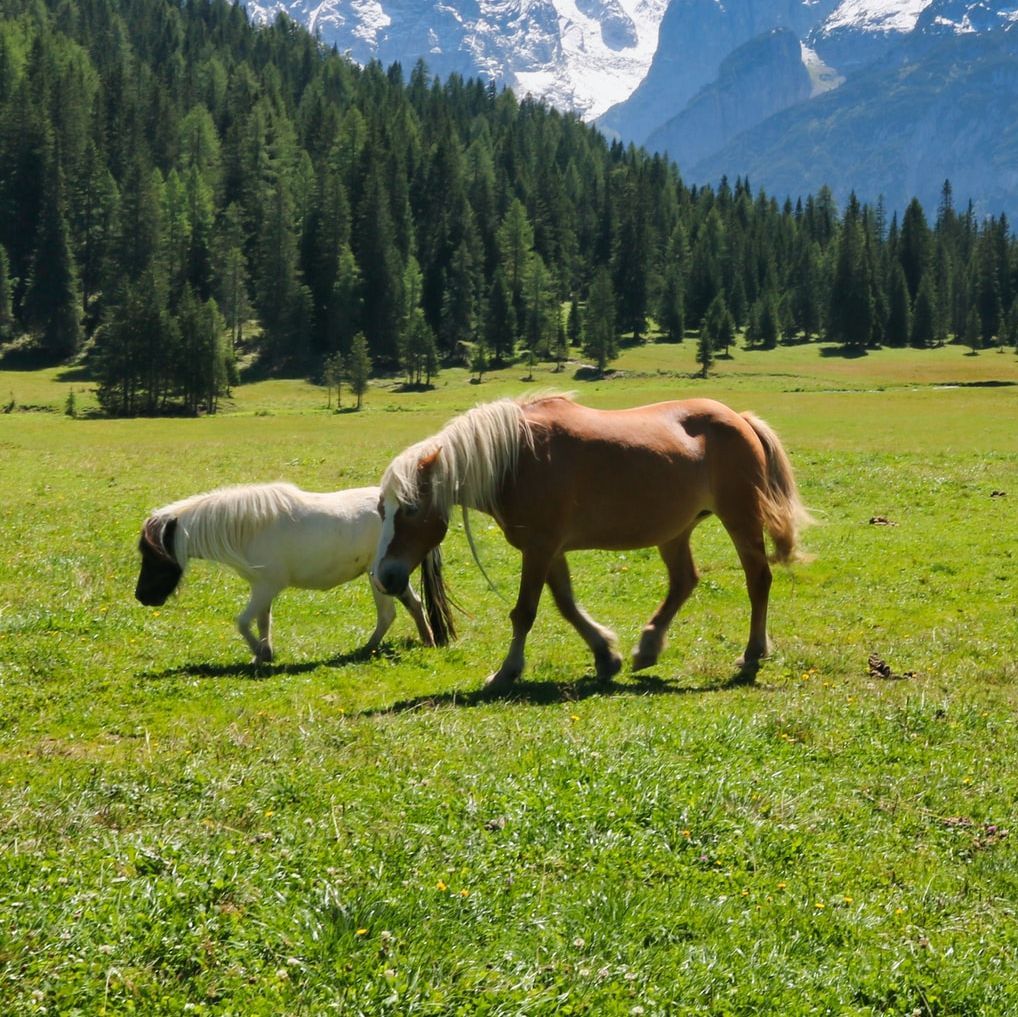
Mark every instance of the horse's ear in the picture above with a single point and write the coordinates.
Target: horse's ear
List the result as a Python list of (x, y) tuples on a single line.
[(427, 463)]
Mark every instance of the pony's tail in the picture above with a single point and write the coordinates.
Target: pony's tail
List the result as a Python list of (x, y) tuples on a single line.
[(784, 514), (437, 605)]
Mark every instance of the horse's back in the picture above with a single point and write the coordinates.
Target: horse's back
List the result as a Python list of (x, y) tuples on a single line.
[(626, 478)]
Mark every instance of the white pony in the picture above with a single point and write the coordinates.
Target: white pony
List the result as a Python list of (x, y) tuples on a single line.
[(275, 536)]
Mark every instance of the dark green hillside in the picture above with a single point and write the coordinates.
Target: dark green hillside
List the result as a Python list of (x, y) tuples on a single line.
[(180, 189)]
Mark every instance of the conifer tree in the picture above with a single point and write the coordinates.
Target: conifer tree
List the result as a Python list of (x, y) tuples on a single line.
[(600, 338), (924, 316), (359, 367), (671, 311), (52, 301), (6, 297), (500, 318), (705, 351), (851, 314), (899, 318)]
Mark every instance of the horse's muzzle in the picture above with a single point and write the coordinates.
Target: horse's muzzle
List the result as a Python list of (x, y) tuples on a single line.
[(392, 578)]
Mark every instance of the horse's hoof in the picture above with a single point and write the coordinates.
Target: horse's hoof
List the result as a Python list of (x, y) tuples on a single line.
[(643, 660), (498, 684)]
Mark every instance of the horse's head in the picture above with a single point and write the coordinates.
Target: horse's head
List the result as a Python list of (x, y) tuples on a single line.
[(160, 572), (412, 525)]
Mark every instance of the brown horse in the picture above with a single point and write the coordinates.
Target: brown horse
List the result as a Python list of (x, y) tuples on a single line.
[(557, 477)]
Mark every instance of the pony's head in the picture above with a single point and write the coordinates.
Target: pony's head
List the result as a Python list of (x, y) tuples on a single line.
[(160, 572)]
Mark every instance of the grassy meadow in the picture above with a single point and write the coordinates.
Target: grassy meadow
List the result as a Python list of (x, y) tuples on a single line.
[(181, 833)]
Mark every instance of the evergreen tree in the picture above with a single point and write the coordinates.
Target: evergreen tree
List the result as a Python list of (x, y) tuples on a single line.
[(52, 301), (899, 320), (851, 315), (359, 367), (500, 318), (719, 327), (705, 351), (479, 359), (671, 311), (924, 317), (914, 246), (6, 297), (600, 338), (230, 283), (515, 247), (574, 322), (973, 335), (333, 369), (202, 366)]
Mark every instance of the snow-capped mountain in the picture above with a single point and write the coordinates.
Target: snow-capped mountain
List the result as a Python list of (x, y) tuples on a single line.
[(580, 55), (886, 97)]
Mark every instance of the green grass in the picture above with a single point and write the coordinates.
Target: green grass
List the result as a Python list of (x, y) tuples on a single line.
[(183, 834)]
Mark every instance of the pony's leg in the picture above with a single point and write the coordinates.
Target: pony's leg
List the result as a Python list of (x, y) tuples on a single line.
[(412, 603), (259, 607), (532, 576), (385, 614), (602, 641), (682, 580)]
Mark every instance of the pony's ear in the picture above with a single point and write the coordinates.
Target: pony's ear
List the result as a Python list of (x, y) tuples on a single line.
[(427, 463), (160, 537)]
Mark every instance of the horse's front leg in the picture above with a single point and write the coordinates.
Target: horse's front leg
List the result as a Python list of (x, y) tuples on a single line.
[(259, 607), (532, 578), (601, 640)]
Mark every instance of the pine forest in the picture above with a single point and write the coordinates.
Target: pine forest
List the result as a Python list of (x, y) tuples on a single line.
[(185, 196)]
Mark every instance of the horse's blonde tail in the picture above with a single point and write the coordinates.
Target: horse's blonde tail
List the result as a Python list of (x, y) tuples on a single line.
[(784, 514)]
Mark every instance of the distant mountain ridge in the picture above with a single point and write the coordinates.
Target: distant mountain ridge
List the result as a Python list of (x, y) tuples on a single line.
[(884, 97)]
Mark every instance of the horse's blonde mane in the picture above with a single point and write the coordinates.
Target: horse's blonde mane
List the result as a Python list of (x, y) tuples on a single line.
[(477, 450), (217, 525)]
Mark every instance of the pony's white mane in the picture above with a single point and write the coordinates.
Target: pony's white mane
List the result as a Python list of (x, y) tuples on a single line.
[(218, 525), (477, 451)]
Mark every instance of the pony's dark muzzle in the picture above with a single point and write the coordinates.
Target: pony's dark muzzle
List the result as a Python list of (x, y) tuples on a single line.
[(149, 598), (393, 578)]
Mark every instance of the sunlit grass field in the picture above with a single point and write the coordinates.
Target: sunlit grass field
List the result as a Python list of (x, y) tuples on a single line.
[(181, 833)]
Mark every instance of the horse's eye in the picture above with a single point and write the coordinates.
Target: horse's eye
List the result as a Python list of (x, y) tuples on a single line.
[(411, 509)]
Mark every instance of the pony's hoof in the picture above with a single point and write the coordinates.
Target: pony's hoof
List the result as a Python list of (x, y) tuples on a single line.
[(607, 664)]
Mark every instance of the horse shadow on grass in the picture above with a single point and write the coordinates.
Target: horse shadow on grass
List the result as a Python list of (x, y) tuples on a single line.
[(261, 672), (551, 693)]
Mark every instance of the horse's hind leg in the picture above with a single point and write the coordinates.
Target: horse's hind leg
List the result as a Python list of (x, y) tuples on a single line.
[(747, 535), (602, 641), (682, 580), (385, 614), (412, 603), (259, 608)]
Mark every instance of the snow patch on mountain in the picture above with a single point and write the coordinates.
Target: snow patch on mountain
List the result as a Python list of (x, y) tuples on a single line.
[(607, 48), (876, 15), (582, 55), (821, 75)]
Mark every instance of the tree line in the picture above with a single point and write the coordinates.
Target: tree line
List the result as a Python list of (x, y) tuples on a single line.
[(180, 189)]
